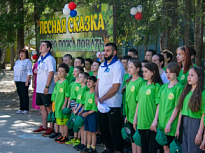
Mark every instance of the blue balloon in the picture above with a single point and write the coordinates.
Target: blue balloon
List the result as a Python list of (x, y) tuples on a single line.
[(133, 15), (73, 13)]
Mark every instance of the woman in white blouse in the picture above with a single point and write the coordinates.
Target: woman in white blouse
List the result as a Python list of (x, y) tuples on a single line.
[(22, 77)]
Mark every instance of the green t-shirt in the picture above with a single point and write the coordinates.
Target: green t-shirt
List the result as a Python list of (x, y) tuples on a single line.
[(74, 88), (70, 77), (61, 92), (126, 76), (167, 98), (182, 78), (90, 101), (164, 68), (132, 89), (91, 73), (187, 111), (147, 105), (53, 94), (81, 95)]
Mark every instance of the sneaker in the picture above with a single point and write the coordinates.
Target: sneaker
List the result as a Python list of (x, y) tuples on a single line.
[(58, 138), (85, 150), (72, 141), (19, 111), (25, 112), (48, 132), (77, 142), (63, 140), (54, 135), (39, 130), (92, 151), (80, 147), (77, 146)]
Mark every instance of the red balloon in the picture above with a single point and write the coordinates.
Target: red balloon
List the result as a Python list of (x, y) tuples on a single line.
[(72, 5), (35, 57), (138, 16)]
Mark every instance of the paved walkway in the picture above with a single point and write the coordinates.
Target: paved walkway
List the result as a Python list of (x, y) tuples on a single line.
[(16, 129)]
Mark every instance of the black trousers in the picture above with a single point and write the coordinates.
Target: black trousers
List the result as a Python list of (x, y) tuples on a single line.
[(110, 125), (148, 142), (23, 95)]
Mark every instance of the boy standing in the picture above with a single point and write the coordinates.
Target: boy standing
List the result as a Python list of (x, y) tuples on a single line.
[(90, 116), (61, 99), (67, 59)]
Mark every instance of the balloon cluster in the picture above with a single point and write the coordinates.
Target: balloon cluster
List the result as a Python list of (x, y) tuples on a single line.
[(34, 55), (70, 9), (136, 12)]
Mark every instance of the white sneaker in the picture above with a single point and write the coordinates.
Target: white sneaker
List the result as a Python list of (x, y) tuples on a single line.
[(19, 111), (25, 112)]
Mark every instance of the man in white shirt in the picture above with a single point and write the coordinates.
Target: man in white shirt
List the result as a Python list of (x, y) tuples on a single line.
[(108, 92), (45, 85)]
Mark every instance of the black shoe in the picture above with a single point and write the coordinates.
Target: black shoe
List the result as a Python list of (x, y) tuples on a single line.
[(63, 140), (99, 141), (85, 150), (92, 151), (80, 147), (58, 137), (75, 147), (52, 136)]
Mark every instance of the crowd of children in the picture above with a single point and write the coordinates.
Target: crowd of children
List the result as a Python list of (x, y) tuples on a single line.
[(158, 96)]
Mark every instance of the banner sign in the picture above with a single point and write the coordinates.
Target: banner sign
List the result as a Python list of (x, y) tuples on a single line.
[(82, 35)]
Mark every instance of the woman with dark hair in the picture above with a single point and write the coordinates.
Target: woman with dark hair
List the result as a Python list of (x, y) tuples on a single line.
[(185, 63), (22, 76)]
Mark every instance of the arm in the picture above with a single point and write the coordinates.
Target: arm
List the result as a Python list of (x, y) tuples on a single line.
[(155, 122), (135, 118), (68, 106), (172, 118), (88, 113), (50, 78), (27, 80), (65, 102), (123, 89), (81, 112), (178, 125), (96, 92), (198, 138), (113, 90), (80, 105)]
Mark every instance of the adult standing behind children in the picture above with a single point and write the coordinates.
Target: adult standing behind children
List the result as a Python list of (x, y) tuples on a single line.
[(45, 85), (108, 92)]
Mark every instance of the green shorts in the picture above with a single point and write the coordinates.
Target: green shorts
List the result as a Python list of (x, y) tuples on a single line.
[(61, 121)]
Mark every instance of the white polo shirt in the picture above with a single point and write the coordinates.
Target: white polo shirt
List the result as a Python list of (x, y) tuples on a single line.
[(48, 65), (113, 75), (164, 78)]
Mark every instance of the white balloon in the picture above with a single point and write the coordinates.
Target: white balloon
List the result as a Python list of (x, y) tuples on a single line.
[(139, 8), (97, 54), (32, 58), (133, 11), (66, 11), (66, 6), (34, 52)]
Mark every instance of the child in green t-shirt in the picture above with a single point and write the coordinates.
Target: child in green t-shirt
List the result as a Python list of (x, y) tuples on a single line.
[(74, 89), (83, 76), (146, 107), (88, 63), (61, 91), (94, 68), (167, 100), (56, 133), (133, 86), (67, 59), (90, 116), (192, 106)]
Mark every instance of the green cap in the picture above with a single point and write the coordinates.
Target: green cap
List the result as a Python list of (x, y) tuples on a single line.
[(161, 138), (175, 146), (126, 132), (66, 111), (49, 117), (53, 119), (71, 121), (79, 122), (137, 138)]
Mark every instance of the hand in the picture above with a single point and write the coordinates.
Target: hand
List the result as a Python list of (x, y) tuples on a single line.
[(126, 119), (167, 129), (80, 113), (35, 71), (26, 84), (202, 146), (135, 124), (153, 126), (63, 107), (75, 112), (45, 91), (198, 138), (85, 114), (100, 101), (177, 134), (73, 109)]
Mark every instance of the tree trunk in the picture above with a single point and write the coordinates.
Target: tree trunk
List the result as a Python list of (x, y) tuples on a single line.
[(12, 56), (163, 40), (197, 32), (188, 8), (20, 31), (115, 24)]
